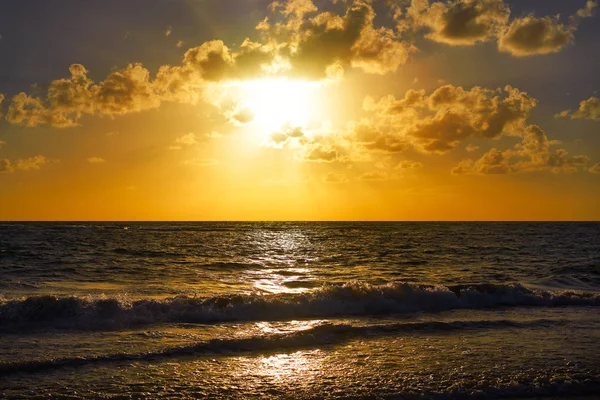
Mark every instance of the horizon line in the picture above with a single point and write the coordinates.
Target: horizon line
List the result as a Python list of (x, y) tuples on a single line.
[(297, 221)]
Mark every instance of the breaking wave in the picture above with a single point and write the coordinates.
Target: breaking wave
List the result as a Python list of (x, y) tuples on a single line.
[(351, 299)]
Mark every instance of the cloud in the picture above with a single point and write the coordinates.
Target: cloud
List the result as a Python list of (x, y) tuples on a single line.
[(450, 115), (531, 154), (467, 22), (187, 140), (373, 176), (374, 139), (285, 133), (1, 100), (211, 60), (326, 43), (460, 22), (588, 10), (169, 31), (297, 39), (595, 169), (471, 148), (184, 141), (408, 164), (241, 116), (126, 90), (492, 162), (67, 100), (23, 164), (279, 137), (588, 109), (530, 36), (321, 153), (2, 143), (96, 160), (294, 7)]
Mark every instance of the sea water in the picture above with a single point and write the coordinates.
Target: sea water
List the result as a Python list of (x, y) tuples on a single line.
[(299, 310)]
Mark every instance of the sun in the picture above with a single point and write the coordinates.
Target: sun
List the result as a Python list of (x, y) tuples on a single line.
[(275, 103)]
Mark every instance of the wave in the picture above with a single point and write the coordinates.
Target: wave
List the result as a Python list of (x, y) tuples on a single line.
[(320, 335), (350, 299)]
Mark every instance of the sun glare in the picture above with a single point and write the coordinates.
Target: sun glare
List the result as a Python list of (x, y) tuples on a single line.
[(275, 103)]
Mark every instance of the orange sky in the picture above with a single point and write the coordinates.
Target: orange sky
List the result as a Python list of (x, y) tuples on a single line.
[(348, 110)]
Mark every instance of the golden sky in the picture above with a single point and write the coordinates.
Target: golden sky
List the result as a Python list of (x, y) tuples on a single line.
[(300, 110)]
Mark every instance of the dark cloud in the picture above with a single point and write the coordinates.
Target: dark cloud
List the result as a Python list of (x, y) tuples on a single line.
[(530, 36), (466, 22), (460, 22)]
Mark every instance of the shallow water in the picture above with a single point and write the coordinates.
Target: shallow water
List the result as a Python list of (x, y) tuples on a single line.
[(300, 310)]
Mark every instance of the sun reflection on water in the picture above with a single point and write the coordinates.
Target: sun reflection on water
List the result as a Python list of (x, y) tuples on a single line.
[(283, 262), (289, 366)]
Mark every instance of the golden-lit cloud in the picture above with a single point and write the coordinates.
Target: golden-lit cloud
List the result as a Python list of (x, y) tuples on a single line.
[(286, 133), (460, 22), (438, 123), (296, 40), (23, 164), (530, 36), (373, 176), (588, 109), (595, 169), (96, 160), (408, 164), (588, 10), (467, 22), (541, 35), (532, 154), (321, 153), (123, 91), (324, 44), (184, 141)]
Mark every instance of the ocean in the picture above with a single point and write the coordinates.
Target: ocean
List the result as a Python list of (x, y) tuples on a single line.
[(301, 310)]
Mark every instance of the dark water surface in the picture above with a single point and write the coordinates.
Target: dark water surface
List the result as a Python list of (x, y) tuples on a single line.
[(300, 310)]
